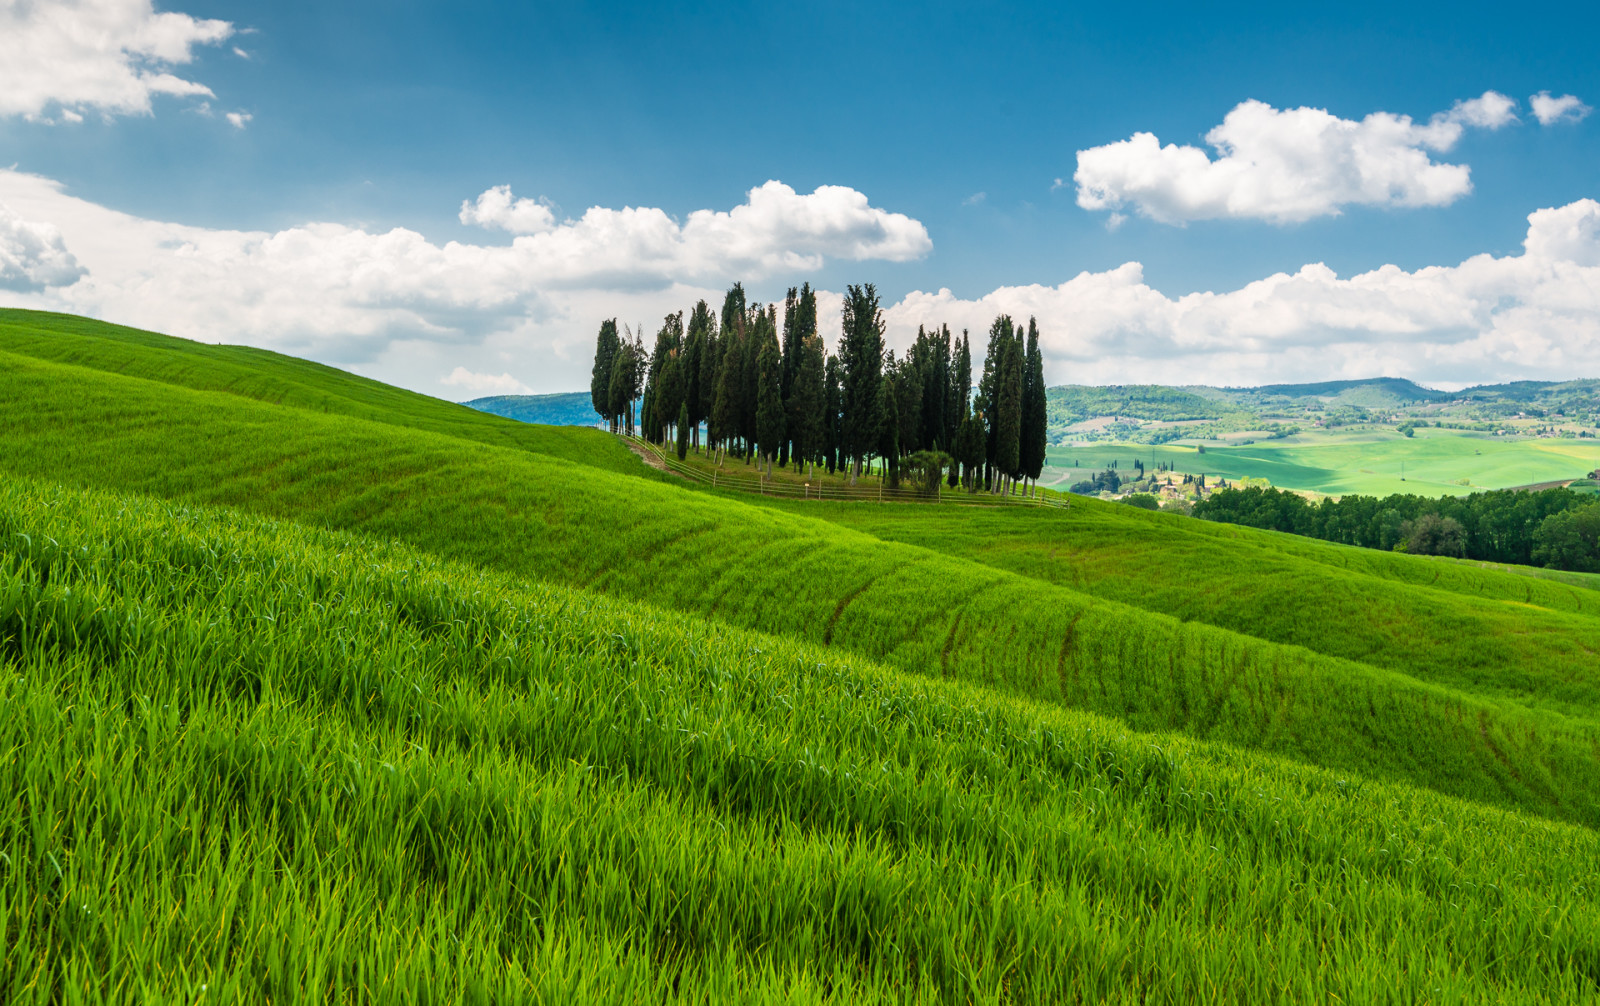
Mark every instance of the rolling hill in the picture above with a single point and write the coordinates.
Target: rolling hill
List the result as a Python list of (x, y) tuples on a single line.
[(530, 650)]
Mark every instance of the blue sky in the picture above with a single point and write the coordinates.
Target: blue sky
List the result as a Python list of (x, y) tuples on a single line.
[(371, 117)]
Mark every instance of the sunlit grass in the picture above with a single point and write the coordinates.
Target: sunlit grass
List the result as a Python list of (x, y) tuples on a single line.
[(254, 762)]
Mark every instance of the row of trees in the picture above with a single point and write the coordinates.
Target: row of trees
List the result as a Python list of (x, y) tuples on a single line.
[(772, 394), (1554, 527)]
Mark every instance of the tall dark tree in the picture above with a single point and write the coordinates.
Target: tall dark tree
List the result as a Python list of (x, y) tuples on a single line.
[(658, 411), (832, 403), (799, 323), (808, 403), (761, 328), (710, 380), (861, 350), (1035, 411), (627, 377), (728, 408), (702, 325), (683, 431), (605, 354), (959, 400), (906, 400), (733, 307), (1008, 409), (988, 401), (769, 405)]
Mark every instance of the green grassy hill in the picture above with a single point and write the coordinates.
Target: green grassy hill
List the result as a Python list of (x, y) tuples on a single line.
[(1521, 734), (502, 713), (253, 762)]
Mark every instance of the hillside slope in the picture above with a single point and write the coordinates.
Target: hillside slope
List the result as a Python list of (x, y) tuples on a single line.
[(756, 567), (264, 376), (250, 762)]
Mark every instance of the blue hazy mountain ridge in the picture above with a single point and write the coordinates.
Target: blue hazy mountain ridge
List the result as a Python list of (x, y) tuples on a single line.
[(572, 408)]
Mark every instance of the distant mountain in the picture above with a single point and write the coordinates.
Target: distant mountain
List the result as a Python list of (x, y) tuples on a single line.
[(573, 408), (1377, 391)]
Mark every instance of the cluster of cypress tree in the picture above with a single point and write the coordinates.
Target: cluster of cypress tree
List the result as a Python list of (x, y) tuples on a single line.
[(772, 398)]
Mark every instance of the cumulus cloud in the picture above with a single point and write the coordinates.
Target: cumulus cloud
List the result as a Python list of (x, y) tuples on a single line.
[(238, 119), (479, 385), (398, 302), (1533, 315), (1288, 165), (1550, 111), (497, 209), (33, 255), (401, 308), (107, 56)]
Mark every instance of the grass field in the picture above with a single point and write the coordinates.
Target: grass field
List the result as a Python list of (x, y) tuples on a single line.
[(479, 717), (1520, 734), (1338, 463), (250, 762)]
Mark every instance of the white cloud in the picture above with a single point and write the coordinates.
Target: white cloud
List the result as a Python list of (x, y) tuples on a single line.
[(479, 385), (1490, 110), (975, 199), (1533, 315), (33, 256), (109, 56), (238, 119), (1550, 111), (496, 209), (404, 309), (399, 306), (1287, 165)]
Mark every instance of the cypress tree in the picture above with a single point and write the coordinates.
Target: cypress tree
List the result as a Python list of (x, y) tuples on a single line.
[(683, 431), (710, 381), (769, 409), (729, 406), (1035, 411), (808, 402), (1008, 407), (958, 403), (701, 325), (606, 346), (762, 328), (658, 411), (669, 398), (733, 307), (989, 394), (832, 401), (861, 349)]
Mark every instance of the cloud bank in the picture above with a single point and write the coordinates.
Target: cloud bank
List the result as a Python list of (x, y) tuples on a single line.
[(106, 56), (1533, 315), (460, 320), (1287, 166), (400, 306)]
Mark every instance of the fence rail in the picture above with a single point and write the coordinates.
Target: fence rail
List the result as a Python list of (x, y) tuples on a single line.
[(760, 486)]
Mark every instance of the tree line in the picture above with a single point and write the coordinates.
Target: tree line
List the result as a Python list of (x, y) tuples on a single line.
[(772, 394), (1556, 528)]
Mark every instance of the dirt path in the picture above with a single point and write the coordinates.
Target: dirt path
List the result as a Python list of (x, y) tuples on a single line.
[(652, 459)]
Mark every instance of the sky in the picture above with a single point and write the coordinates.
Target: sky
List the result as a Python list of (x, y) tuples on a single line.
[(453, 197)]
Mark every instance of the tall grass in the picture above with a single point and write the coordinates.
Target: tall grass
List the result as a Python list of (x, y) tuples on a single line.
[(259, 763), (755, 567)]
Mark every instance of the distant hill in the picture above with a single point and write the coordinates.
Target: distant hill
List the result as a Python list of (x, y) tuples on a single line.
[(572, 408), (1073, 403), (1370, 393)]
